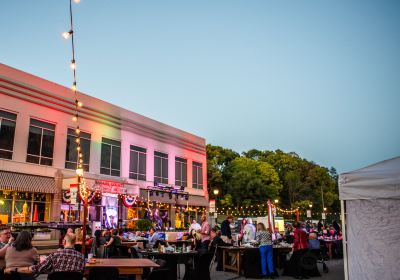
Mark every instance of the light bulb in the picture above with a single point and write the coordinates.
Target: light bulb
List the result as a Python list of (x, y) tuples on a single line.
[(73, 64), (80, 104), (77, 131), (67, 34), (80, 155), (78, 148), (77, 1), (77, 140), (74, 118)]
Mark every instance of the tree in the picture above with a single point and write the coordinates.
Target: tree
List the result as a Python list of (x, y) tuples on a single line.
[(217, 160), (253, 180)]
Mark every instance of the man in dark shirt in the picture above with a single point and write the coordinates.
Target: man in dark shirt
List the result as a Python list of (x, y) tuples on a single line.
[(226, 233)]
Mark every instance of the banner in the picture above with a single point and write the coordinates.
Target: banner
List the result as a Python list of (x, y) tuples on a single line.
[(73, 190), (211, 206), (270, 216)]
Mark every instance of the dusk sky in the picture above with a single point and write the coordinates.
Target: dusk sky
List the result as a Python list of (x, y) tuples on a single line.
[(320, 78)]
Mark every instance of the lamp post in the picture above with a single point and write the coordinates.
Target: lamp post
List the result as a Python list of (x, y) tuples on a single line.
[(216, 192)]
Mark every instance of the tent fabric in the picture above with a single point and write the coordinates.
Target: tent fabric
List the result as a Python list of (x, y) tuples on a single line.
[(373, 239), (380, 180)]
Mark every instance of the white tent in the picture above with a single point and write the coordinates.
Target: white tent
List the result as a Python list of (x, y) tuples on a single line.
[(370, 198)]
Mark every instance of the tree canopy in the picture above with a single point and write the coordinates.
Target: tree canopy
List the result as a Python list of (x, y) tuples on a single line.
[(255, 176)]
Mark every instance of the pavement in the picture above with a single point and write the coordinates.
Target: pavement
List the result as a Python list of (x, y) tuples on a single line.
[(336, 272)]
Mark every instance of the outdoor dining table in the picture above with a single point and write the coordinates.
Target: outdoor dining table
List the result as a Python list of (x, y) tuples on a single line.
[(329, 244), (172, 259), (125, 266), (238, 251)]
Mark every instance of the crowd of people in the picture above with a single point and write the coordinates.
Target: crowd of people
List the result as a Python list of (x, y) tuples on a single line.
[(19, 255)]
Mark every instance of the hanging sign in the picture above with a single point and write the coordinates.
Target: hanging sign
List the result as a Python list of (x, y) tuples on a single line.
[(129, 200), (111, 187), (73, 189), (212, 205), (308, 213), (323, 216)]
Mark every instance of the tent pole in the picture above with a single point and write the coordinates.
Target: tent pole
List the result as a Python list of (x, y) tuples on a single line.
[(346, 272)]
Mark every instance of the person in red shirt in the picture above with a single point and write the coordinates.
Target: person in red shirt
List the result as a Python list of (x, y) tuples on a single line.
[(300, 247)]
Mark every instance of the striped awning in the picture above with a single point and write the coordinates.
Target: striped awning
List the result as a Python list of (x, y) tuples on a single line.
[(26, 183)]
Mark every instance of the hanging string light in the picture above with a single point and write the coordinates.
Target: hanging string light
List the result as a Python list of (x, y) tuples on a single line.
[(83, 190)]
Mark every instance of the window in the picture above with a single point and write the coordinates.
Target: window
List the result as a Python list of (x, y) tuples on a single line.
[(110, 157), (197, 175), (7, 133), (71, 155), (160, 168), (137, 167), (180, 171), (40, 143)]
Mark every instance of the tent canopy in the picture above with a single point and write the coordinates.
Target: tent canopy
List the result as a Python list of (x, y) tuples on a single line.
[(380, 180)]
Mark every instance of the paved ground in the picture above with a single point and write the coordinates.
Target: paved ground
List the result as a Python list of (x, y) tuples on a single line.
[(336, 272)]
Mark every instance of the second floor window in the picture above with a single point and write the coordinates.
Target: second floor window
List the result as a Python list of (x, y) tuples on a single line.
[(71, 156), (180, 171), (40, 142), (7, 133), (110, 157), (160, 168), (197, 175), (137, 167)]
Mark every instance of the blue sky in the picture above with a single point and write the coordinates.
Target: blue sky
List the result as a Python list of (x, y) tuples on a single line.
[(320, 78)]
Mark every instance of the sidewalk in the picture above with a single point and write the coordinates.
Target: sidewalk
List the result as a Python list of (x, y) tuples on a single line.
[(336, 272)]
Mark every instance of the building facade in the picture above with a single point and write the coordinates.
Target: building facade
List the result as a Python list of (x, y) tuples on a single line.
[(134, 166)]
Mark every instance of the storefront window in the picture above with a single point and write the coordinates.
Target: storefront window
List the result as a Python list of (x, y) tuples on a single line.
[(6, 199), (20, 207)]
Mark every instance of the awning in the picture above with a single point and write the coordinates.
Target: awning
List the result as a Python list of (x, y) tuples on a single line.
[(26, 183)]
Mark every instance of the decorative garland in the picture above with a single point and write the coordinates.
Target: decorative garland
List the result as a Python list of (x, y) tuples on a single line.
[(129, 200)]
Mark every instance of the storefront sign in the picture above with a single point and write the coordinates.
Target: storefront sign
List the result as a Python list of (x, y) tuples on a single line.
[(111, 187), (212, 205), (73, 191)]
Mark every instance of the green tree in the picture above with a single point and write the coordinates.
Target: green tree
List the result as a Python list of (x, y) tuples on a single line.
[(248, 179)]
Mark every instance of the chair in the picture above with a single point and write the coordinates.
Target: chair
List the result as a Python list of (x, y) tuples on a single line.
[(134, 253), (158, 274), (123, 251), (308, 264), (65, 275), (318, 253), (103, 273)]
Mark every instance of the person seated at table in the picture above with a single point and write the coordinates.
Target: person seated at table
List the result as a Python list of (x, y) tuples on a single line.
[(153, 237), (264, 241), (313, 242), (216, 241), (21, 253), (276, 236), (63, 260), (113, 244)]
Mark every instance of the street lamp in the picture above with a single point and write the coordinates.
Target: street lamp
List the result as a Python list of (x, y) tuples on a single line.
[(216, 192)]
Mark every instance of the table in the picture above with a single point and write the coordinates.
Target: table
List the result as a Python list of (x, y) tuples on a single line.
[(125, 266), (172, 259), (237, 252), (329, 243)]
